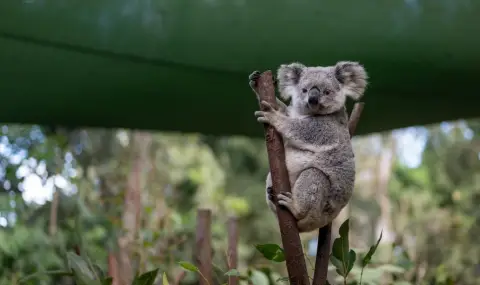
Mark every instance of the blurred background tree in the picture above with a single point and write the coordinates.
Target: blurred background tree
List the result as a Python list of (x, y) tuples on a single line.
[(134, 195)]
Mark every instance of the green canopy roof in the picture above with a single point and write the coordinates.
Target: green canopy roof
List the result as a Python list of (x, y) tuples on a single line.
[(181, 65)]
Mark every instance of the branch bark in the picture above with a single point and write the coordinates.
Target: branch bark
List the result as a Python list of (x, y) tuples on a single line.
[(296, 267), (325, 233)]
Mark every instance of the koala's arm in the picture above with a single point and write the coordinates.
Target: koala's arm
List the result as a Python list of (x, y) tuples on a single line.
[(289, 128)]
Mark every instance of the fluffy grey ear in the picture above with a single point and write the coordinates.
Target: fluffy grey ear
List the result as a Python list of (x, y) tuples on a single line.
[(352, 77), (288, 76)]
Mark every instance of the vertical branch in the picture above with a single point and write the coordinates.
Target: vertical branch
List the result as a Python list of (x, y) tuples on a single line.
[(132, 205), (296, 267), (323, 253), (203, 246), (325, 233), (232, 257)]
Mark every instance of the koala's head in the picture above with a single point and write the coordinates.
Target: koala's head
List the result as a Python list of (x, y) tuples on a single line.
[(321, 90)]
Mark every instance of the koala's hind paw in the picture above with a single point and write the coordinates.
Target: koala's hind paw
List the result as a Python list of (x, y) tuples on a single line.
[(285, 199), (253, 78)]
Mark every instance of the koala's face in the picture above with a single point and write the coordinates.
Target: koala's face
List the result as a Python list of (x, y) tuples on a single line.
[(321, 90), (318, 92)]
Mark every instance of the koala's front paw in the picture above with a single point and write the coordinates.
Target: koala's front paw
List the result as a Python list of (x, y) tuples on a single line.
[(269, 115), (253, 78)]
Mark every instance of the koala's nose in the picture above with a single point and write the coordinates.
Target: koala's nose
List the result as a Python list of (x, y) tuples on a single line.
[(313, 100)]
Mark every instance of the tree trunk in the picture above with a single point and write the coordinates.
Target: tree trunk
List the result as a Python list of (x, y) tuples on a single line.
[(385, 167), (132, 206), (384, 223)]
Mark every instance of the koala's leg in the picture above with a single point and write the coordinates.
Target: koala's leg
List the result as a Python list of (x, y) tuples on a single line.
[(269, 193), (307, 194)]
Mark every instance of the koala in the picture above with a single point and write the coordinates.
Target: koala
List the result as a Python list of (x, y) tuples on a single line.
[(314, 127)]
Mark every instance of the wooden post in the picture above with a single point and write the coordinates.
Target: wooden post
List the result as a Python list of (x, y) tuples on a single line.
[(232, 257), (325, 233), (203, 246), (113, 268), (296, 267)]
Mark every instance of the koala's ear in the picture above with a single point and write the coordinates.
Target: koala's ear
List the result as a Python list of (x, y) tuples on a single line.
[(352, 77), (288, 76)]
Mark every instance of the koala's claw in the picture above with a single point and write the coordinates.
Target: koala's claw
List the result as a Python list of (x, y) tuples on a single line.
[(270, 193), (253, 78), (261, 117), (275, 81), (259, 113), (254, 75)]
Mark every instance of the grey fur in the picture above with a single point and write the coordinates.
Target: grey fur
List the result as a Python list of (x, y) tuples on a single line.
[(318, 150)]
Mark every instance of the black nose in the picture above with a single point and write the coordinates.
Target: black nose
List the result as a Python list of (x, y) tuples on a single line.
[(313, 100)]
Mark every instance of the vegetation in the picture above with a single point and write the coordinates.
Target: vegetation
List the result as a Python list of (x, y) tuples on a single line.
[(133, 196)]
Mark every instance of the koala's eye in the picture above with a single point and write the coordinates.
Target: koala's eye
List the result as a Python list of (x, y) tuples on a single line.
[(327, 92), (304, 90)]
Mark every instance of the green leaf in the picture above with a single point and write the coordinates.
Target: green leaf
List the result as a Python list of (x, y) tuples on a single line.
[(341, 253), (188, 266), (97, 271), (271, 252), (147, 278), (164, 279), (107, 281), (282, 279), (232, 272), (344, 228), (371, 251), (338, 265), (81, 271), (341, 247), (352, 256)]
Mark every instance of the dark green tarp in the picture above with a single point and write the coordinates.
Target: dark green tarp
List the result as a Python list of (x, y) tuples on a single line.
[(182, 65)]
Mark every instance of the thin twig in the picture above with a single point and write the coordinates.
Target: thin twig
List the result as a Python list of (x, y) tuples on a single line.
[(325, 233), (296, 267)]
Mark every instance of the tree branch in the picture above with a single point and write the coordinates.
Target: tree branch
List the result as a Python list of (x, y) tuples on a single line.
[(296, 267), (325, 233)]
